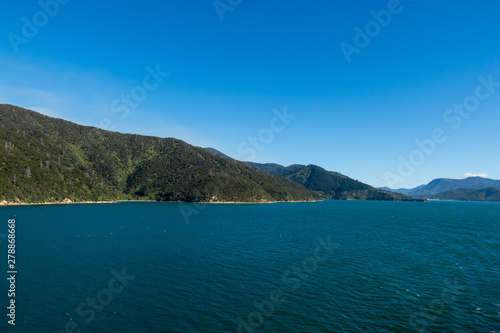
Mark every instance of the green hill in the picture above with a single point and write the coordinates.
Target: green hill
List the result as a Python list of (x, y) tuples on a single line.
[(331, 185), (43, 159), (488, 194)]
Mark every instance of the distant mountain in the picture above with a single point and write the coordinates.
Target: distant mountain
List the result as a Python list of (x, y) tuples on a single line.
[(443, 184), (488, 194), (401, 190), (45, 159), (385, 188), (274, 168), (331, 185)]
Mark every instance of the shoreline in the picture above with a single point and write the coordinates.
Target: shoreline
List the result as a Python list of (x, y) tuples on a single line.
[(250, 203), (5, 203), (10, 203)]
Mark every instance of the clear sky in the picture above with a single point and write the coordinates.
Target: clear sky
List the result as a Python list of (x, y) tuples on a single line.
[(347, 85)]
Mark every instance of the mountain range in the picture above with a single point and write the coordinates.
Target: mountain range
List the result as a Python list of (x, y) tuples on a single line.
[(472, 188), (44, 159), (329, 184), (402, 190)]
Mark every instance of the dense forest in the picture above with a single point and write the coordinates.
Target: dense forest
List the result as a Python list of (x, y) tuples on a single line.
[(487, 194), (330, 185), (43, 159)]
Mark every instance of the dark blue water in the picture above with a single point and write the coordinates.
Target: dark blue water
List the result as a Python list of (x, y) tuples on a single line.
[(332, 266)]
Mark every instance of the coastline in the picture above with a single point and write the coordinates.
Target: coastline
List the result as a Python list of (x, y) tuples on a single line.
[(65, 202), (5, 203), (252, 202)]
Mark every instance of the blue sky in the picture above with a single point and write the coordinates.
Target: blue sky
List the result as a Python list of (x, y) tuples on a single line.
[(228, 79)]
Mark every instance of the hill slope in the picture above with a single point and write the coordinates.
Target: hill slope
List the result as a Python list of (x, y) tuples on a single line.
[(488, 194), (213, 150), (331, 185), (46, 159)]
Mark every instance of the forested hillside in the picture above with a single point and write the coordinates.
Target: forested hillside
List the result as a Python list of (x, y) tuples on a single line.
[(331, 185), (46, 159)]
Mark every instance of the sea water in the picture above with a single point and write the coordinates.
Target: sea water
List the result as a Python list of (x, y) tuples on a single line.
[(331, 266)]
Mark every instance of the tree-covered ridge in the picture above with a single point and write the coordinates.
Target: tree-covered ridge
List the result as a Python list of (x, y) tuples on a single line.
[(46, 159), (462, 194), (331, 185)]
